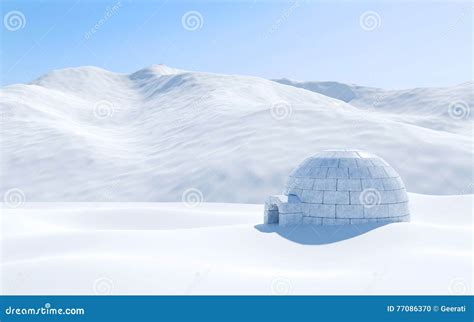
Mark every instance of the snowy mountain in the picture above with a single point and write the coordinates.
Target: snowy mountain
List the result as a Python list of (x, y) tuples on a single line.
[(88, 134), (445, 109)]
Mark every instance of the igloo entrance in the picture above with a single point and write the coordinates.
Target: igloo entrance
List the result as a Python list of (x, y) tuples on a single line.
[(272, 214), (283, 210)]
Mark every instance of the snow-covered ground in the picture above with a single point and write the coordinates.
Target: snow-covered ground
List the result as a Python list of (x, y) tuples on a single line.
[(167, 248), (87, 134)]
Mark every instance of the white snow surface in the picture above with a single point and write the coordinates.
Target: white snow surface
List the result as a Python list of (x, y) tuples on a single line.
[(87, 134), (215, 248), (438, 108)]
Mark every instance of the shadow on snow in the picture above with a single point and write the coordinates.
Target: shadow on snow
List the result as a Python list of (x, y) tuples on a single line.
[(318, 234)]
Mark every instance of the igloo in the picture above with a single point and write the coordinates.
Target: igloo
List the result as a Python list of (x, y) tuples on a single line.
[(335, 187)]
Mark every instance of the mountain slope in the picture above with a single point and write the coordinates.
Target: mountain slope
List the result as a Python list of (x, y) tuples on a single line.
[(88, 134), (444, 109)]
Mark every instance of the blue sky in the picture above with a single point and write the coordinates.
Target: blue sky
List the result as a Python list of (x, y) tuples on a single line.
[(413, 43)]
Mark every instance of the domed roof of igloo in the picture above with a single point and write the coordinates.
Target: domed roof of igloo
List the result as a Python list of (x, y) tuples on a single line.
[(345, 187)]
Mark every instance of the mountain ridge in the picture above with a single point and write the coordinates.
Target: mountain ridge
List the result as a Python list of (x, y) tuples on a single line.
[(92, 135)]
